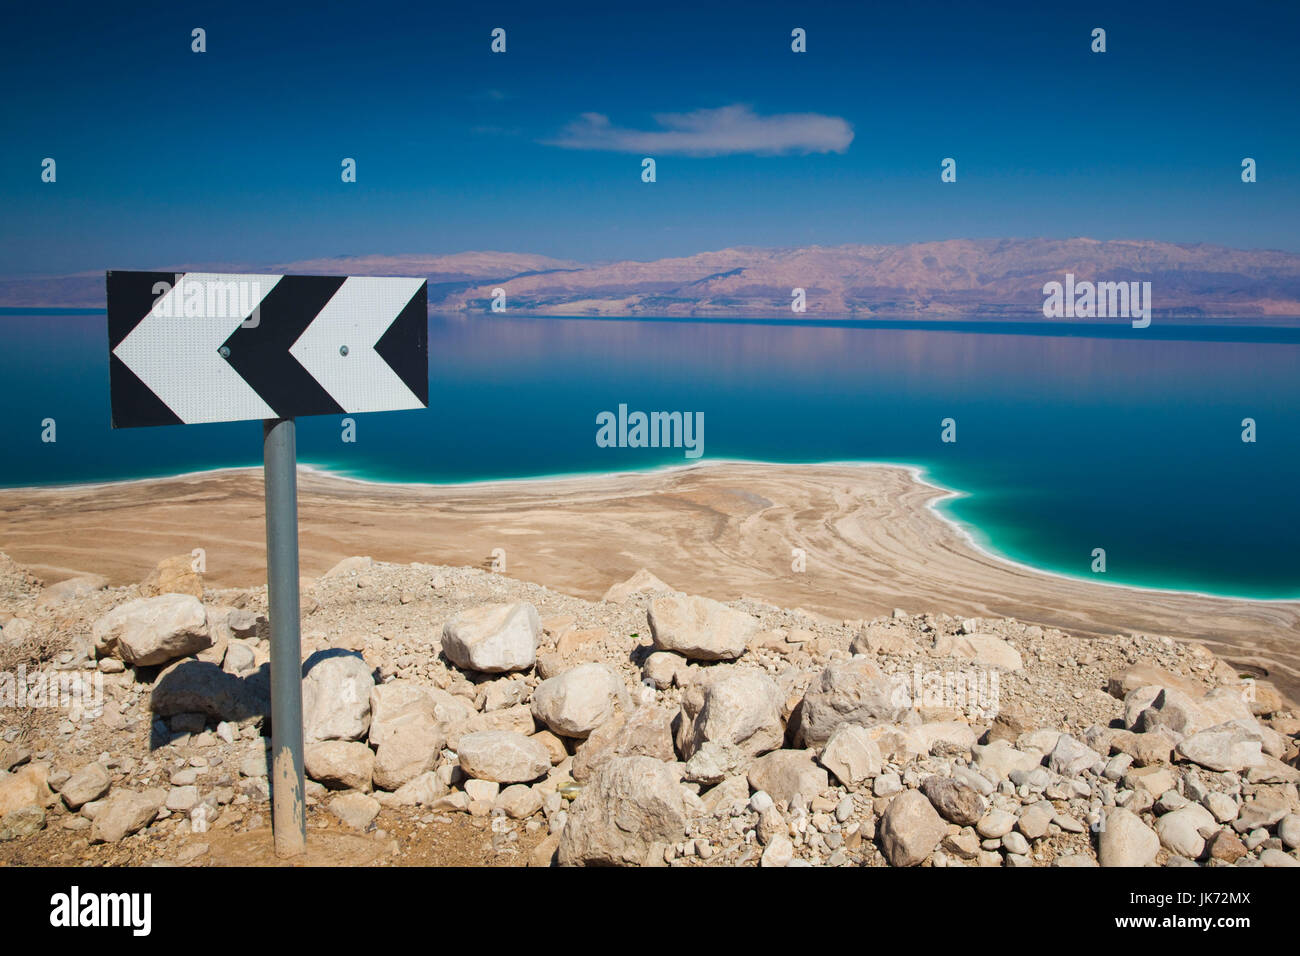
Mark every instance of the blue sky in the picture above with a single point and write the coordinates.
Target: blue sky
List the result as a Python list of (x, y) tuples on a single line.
[(166, 157)]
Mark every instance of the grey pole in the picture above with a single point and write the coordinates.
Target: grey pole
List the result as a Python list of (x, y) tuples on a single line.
[(288, 819)]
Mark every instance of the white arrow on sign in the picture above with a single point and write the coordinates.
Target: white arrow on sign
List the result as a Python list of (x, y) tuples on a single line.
[(355, 318), (176, 354)]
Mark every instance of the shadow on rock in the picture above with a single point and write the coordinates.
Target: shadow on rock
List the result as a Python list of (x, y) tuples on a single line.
[(192, 686)]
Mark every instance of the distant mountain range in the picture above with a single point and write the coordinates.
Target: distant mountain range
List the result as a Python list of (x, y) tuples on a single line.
[(955, 277)]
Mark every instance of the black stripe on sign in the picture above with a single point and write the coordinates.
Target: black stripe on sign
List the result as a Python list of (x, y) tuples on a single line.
[(131, 297), (260, 354), (134, 403), (405, 345)]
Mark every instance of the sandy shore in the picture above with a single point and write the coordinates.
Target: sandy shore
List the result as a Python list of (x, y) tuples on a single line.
[(722, 530)]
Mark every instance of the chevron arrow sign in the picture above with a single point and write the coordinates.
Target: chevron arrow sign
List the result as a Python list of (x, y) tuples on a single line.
[(221, 347)]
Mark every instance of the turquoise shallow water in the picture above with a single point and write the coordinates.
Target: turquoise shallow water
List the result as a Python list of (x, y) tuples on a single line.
[(1068, 438)]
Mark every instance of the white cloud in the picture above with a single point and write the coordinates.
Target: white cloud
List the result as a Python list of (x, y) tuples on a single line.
[(712, 132)]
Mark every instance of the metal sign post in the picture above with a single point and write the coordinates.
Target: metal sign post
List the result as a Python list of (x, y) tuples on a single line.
[(199, 347), (288, 816)]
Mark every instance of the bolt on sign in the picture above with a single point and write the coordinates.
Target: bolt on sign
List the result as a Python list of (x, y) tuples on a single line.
[(200, 347)]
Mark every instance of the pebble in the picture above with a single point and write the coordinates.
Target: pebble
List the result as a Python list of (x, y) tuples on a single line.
[(995, 824), (780, 852)]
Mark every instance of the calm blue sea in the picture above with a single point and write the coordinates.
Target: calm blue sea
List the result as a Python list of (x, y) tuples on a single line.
[(1068, 438)]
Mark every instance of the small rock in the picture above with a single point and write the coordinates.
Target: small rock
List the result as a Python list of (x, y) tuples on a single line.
[(151, 631), (340, 764), (493, 639), (22, 823), (851, 755), (779, 853), (1125, 840), (336, 688), (579, 700), (1179, 831), (502, 756), (630, 804), (910, 829), (955, 802), (124, 812), (995, 824), (355, 810), (519, 801), (784, 773), (89, 783), (1226, 747), (699, 628)]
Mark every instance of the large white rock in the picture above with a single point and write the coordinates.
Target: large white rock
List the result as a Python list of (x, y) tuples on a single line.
[(998, 759), (1178, 712), (340, 764), (644, 731), (517, 720), (1273, 857), (699, 627), (910, 829), (24, 786), (782, 774), (881, 637), (336, 690), (851, 755), (399, 706), (422, 791), (983, 649), (850, 692), (495, 639), (406, 754), (779, 853), (1125, 840), (503, 756), (576, 702), (1179, 830), (664, 669), (740, 709), (898, 743), (631, 804), (89, 783), (125, 812), (1070, 757), (713, 762), (151, 631), (1136, 702), (1288, 830), (1227, 747), (519, 802), (354, 809)]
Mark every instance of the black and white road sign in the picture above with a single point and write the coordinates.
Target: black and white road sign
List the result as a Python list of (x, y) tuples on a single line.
[(220, 347)]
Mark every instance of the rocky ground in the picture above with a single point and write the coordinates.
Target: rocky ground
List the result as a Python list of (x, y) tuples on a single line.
[(458, 716)]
